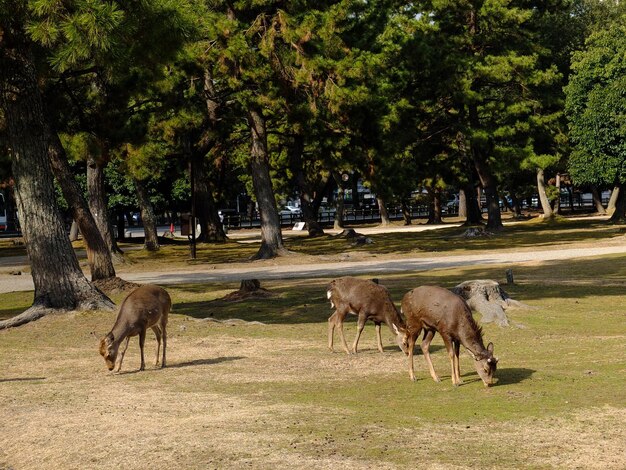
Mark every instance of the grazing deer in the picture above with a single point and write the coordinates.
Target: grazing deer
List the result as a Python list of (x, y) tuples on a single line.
[(435, 309), (145, 307), (367, 300)]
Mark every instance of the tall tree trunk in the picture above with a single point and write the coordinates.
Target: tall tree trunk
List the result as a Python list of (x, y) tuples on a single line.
[(340, 207), (434, 208), (471, 208), (151, 241), (98, 204), (74, 232), (619, 215), (58, 279), (98, 254), (309, 212), (610, 208), (557, 202), (406, 211), (211, 228), (490, 186), (597, 200), (543, 197), (462, 203), (384, 214), (271, 235)]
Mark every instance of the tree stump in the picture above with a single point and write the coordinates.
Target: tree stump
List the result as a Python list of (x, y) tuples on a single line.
[(487, 297), (248, 289)]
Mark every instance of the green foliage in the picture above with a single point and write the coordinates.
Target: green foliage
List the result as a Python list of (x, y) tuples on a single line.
[(596, 108)]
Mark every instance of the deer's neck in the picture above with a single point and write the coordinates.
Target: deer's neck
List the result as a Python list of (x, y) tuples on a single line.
[(394, 319), (473, 341)]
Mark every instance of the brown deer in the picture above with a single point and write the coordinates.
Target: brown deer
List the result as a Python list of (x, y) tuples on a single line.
[(367, 300), (435, 309), (145, 307)]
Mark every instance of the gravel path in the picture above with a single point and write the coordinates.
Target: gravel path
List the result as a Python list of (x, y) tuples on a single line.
[(11, 283)]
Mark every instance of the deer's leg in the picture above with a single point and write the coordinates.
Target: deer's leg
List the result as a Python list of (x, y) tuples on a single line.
[(164, 336), (142, 341), (359, 329), (449, 346), (412, 338), (157, 333), (378, 337), (120, 357), (341, 315), (331, 330), (457, 368), (428, 337)]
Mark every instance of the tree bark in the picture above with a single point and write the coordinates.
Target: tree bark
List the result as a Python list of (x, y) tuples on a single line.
[(98, 204), (98, 254), (619, 215), (309, 212), (406, 212), (489, 183), (211, 228), (610, 208), (434, 208), (271, 235), (339, 203), (151, 240), (74, 232), (543, 197), (597, 200), (58, 279), (462, 203), (384, 214)]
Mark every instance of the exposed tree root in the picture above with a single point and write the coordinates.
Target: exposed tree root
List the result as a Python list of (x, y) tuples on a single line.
[(32, 314), (38, 311)]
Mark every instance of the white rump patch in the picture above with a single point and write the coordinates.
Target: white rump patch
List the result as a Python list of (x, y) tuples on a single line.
[(329, 293)]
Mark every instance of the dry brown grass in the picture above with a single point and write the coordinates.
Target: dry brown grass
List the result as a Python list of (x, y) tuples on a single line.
[(256, 396)]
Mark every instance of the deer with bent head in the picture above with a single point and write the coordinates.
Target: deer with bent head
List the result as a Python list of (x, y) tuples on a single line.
[(146, 307), (367, 300), (435, 309)]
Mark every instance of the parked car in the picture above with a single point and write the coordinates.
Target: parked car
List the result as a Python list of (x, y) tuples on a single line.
[(290, 210)]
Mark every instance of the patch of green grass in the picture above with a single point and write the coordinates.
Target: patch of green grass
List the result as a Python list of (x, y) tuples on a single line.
[(561, 361)]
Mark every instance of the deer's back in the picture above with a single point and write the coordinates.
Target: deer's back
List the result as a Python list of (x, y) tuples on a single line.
[(435, 307), (359, 294), (145, 306)]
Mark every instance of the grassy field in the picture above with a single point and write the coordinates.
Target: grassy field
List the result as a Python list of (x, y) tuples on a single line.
[(263, 391)]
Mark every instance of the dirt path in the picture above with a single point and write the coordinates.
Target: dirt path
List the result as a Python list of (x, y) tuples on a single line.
[(12, 283)]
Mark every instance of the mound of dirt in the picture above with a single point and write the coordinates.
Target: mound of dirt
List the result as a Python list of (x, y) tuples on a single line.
[(115, 285), (249, 289)]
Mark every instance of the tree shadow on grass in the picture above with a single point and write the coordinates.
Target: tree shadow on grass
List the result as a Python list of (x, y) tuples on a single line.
[(192, 363), (205, 362), (23, 379)]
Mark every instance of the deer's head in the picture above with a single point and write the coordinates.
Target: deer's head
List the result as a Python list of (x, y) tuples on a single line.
[(486, 364), (108, 351), (402, 338)]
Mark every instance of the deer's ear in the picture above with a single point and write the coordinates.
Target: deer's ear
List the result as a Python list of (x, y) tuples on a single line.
[(395, 328), (490, 348)]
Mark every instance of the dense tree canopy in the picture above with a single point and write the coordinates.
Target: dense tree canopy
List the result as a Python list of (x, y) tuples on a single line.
[(269, 100)]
